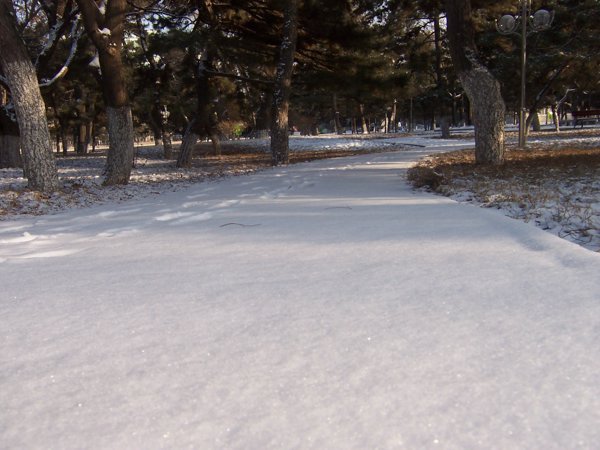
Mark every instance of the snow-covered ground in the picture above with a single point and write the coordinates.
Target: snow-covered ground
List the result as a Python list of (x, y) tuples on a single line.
[(321, 305), (569, 208)]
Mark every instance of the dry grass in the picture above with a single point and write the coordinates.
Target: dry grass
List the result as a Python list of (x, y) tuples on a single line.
[(531, 166), (556, 188)]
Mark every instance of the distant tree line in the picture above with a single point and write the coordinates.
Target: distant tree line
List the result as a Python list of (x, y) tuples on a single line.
[(74, 70)]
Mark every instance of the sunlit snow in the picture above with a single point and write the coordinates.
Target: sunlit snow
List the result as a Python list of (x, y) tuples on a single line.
[(323, 305)]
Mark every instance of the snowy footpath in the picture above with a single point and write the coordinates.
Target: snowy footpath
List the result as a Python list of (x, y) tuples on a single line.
[(324, 305)]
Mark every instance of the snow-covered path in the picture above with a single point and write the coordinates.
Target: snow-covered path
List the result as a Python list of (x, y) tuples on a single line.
[(323, 305)]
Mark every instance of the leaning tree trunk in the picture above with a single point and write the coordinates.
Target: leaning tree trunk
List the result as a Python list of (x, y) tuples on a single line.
[(483, 90), (39, 166), (280, 150)]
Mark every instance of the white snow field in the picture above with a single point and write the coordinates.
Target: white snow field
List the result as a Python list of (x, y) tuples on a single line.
[(324, 305)]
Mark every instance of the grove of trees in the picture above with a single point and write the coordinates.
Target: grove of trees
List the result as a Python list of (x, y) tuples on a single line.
[(73, 72)]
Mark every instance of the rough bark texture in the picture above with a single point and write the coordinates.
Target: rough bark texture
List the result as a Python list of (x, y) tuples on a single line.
[(167, 143), (363, 120), (114, 90), (190, 138), (120, 145), (10, 145), (280, 151), (487, 108), (38, 160), (482, 88), (10, 154)]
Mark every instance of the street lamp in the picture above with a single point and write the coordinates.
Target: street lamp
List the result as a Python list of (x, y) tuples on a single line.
[(509, 24)]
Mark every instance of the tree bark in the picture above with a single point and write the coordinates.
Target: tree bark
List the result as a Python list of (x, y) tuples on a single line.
[(280, 151), (190, 138), (39, 166), (204, 123), (120, 151), (555, 119), (483, 90), (444, 116), (10, 145), (337, 125), (120, 138), (363, 120), (10, 154)]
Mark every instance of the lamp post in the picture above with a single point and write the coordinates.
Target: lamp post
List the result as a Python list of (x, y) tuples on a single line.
[(512, 24)]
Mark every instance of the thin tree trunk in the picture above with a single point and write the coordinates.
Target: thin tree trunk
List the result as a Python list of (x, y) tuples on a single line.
[(363, 120), (280, 152), (39, 166), (394, 118), (336, 116), (555, 118)]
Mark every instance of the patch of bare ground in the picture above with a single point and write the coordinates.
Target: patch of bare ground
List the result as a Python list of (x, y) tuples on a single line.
[(557, 188)]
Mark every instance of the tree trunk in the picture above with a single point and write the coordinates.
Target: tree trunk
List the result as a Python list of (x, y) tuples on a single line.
[(120, 144), (265, 111), (10, 154), (10, 145), (363, 120), (337, 126), (487, 108), (483, 90), (186, 150), (167, 144), (216, 143), (444, 118), (535, 120), (555, 118), (120, 149), (39, 166), (445, 126), (204, 123), (280, 151), (394, 117)]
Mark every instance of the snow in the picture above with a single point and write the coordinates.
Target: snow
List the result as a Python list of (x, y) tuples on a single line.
[(320, 305)]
